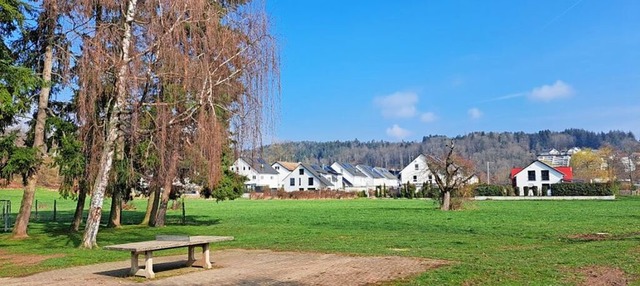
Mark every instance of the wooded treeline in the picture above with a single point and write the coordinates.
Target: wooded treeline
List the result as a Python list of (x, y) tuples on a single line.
[(502, 150)]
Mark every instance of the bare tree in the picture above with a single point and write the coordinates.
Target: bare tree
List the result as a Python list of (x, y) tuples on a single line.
[(216, 75), (450, 174)]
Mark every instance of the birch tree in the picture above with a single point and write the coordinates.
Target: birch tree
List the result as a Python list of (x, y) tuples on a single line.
[(93, 86), (170, 76)]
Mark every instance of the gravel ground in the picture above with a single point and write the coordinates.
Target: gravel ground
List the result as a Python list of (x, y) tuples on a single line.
[(244, 267)]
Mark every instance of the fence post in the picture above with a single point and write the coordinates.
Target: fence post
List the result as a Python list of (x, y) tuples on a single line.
[(54, 209), (6, 212), (184, 218)]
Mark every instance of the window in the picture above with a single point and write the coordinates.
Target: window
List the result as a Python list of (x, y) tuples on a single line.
[(415, 179), (277, 167), (416, 166), (232, 169), (292, 182), (532, 175), (301, 171), (244, 168), (261, 177), (430, 177), (254, 177), (299, 181), (271, 177), (310, 181), (544, 174)]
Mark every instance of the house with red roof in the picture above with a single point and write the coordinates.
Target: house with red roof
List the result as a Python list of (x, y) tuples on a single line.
[(536, 178)]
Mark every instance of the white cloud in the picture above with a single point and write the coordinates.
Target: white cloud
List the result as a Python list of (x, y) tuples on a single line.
[(550, 92), (428, 117), (475, 113), (398, 105), (546, 93), (398, 132)]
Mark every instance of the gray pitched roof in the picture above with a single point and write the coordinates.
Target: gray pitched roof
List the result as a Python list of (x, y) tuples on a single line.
[(351, 169), (330, 170), (384, 172), (260, 165), (370, 172), (319, 169)]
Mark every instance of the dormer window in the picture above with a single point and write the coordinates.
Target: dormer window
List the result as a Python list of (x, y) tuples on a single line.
[(301, 171)]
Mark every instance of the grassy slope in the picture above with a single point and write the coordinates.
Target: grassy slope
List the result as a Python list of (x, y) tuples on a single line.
[(491, 242)]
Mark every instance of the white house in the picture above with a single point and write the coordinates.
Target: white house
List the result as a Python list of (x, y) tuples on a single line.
[(260, 175), (390, 180), (353, 179), (537, 178), (374, 178), (305, 178), (283, 169), (331, 175), (417, 172)]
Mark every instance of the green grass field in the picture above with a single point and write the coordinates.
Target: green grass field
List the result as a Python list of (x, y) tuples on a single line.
[(491, 242)]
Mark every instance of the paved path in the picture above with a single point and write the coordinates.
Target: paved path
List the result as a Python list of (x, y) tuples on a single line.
[(243, 267)]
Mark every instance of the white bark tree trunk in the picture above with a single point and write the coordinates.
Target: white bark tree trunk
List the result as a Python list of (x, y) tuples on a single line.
[(106, 158)]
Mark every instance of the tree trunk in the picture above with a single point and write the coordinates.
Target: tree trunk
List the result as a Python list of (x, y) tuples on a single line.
[(22, 220), (168, 183), (106, 159), (154, 206), (116, 209), (446, 201), (150, 204), (77, 216)]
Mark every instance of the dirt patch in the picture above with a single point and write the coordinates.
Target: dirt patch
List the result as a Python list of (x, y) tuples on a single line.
[(25, 259), (598, 236), (603, 276), (591, 236), (247, 267)]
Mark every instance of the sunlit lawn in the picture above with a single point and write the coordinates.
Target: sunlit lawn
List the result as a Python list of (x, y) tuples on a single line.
[(491, 242)]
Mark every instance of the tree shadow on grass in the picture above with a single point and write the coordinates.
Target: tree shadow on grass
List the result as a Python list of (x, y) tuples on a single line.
[(61, 229)]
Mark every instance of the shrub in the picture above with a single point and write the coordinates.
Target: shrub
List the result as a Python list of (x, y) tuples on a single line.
[(489, 190), (581, 189)]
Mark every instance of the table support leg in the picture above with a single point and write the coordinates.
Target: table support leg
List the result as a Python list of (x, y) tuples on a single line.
[(148, 264), (134, 263), (205, 256), (192, 257)]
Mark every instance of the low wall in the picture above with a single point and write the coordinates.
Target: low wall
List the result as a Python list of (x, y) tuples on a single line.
[(552, 198)]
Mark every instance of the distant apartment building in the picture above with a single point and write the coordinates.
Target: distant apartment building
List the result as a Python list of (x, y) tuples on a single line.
[(557, 158)]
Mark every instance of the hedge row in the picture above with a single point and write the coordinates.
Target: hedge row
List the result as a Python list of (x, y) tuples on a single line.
[(488, 190), (493, 190), (581, 189)]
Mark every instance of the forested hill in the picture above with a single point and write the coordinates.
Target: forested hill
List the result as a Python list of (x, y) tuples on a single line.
[(503, 150)]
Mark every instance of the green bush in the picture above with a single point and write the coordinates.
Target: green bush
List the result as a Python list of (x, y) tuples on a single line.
[(488, 190), (581, 189)]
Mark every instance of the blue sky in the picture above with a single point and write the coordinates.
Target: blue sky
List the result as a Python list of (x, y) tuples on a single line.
[(399, 70)]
